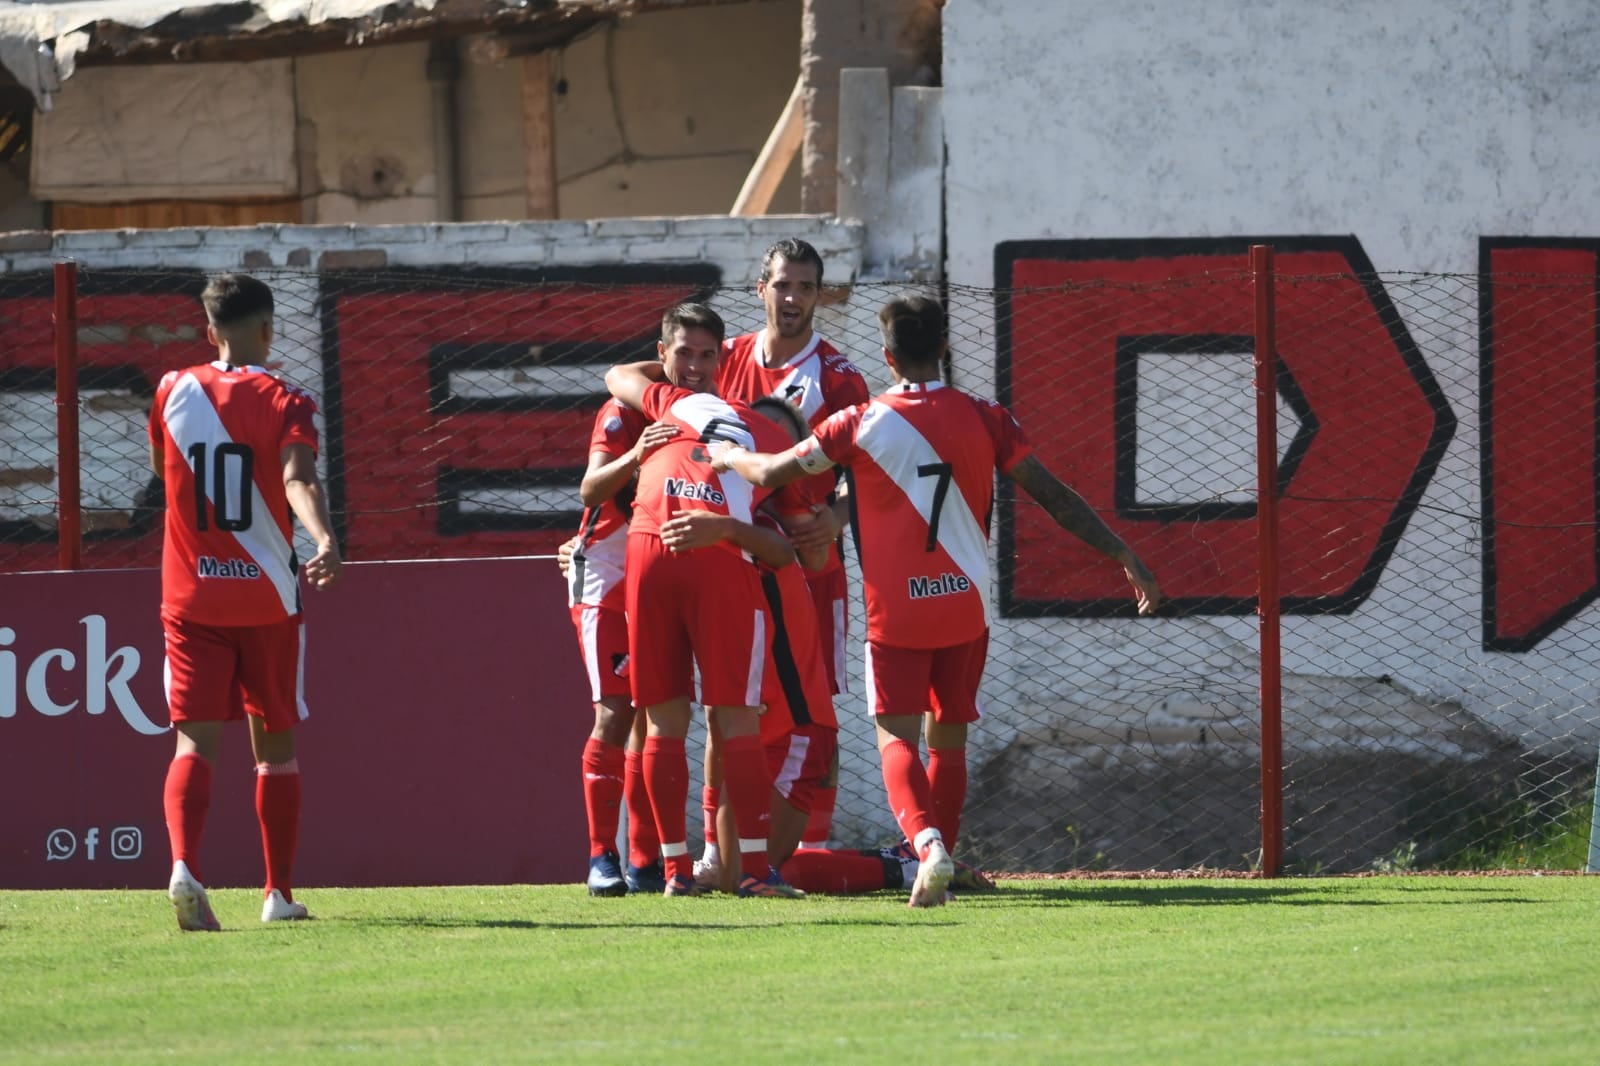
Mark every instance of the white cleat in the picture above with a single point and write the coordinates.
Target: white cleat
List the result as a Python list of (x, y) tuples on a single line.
[(278, 909), (933, 877), (190, 901), (708, 875)]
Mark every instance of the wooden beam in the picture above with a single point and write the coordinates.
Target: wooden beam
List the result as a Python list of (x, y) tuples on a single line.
[(761, 184), (539, 134)]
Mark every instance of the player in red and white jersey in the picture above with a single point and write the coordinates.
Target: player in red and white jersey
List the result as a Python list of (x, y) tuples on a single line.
[(923, 458), (237, 450), (789, 361), (613, 767), (693, 596)]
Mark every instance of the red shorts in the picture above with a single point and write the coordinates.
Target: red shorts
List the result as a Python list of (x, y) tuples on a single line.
[(220, 673), (699, 609), (603, 642), (803, 762), (916, 680), (830, 591)]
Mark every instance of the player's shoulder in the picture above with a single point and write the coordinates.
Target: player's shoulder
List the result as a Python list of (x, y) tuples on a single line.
[(836, 362)]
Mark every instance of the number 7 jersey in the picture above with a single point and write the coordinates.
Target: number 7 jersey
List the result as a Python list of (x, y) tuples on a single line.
[(228, 555), (922, 460)]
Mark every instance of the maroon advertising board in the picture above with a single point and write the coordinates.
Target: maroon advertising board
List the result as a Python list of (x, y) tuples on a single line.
[(448, 713)]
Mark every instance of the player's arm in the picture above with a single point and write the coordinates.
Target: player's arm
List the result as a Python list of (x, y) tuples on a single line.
[(628, 381), (811, 552), (688, 530), (608, 473), (1072, 513), (158, 457), (769, 470), (306, 498)]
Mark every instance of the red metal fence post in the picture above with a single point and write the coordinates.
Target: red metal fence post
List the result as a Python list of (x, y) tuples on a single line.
[(1261, 268), (69, 494)]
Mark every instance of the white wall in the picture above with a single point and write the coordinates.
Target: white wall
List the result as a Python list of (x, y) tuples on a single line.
[(1418, 127), (1415, 126)]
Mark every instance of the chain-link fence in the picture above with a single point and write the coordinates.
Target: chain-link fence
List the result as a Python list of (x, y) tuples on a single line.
[(1437, 472)]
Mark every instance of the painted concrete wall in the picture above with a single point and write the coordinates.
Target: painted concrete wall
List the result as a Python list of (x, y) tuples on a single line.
[(1418, 128)]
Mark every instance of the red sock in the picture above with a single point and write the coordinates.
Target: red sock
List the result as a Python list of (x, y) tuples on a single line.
[(819, 827), (278, 808), (666, 775), (603, 766), (749, 787), (839, 872), (906, 779), (947, 782), (644, 843), (186, 799), (710, 799)]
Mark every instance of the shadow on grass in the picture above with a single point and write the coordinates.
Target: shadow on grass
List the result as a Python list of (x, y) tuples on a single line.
[(1281, 893)]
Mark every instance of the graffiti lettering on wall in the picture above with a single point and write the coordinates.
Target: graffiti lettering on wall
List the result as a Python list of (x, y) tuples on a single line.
[(1131, 362), (1540, 345), (132, 328), (465, 402)]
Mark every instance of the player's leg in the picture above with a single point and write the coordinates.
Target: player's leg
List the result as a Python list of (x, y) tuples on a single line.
[(898, 681), (645, 872), (271, 670), (829, 595), (708, 869), (730, 632), (660, 669), (200, 697), (603, 647), (957, 672)]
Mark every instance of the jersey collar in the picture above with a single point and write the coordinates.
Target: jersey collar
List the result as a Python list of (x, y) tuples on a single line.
[(799, 357), (918, 386)]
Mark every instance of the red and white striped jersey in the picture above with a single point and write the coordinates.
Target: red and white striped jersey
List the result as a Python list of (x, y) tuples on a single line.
[(678, 477), (922, 461), (228, 555), (817, 383), (595, 577)]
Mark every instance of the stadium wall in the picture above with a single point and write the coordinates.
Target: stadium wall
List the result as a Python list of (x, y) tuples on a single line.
[(1132, 142)]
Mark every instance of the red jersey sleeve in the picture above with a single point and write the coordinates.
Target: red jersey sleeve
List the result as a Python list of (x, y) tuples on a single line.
[(616, 429), (836, 435), (299, 425), (658, 399), (1010, 442)]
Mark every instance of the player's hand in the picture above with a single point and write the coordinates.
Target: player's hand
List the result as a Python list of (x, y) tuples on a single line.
[(564, 556), (324, 568), (722, 456), (654, 436), (688, 530), (1145, 589), (814, 530)]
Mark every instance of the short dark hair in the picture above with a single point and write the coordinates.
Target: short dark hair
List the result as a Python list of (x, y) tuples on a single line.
[(913, 329), (782, 413), (231, 298), (793, 250), (691, 316)]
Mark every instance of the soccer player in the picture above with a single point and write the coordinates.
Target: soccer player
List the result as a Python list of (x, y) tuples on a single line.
[(613, 767), (693, 597), (237, 449), (799, 729), (789, 361), (923, 458)]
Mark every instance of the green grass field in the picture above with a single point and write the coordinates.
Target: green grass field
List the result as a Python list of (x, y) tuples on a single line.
[(1360, 970)]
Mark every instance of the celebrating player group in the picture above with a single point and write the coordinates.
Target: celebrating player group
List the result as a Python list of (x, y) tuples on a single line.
[(720, 477)]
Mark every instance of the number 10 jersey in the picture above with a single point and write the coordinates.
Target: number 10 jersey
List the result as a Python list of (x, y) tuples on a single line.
[(228, 555)]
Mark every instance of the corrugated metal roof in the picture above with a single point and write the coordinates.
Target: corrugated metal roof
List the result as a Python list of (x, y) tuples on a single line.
[(42, 41)]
